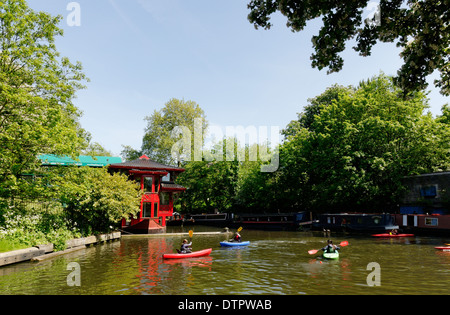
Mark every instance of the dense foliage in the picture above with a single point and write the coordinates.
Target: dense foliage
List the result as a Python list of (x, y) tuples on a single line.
[(347, 151), (36, 91), (37, 116), (68, 202), (351, 147), (419, 27), (93, 199)]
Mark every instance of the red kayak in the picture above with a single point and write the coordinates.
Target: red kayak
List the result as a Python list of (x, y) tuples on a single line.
[(392, 235), (444, 248), (200, 253)]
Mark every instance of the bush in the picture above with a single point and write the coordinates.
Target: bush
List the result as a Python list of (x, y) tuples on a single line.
[(66, 203), (26, 226)]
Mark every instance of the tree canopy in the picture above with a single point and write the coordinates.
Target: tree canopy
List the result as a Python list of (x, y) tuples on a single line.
[(37, 116), (159, 138), (359, 144), (36, 91), (419, 27)]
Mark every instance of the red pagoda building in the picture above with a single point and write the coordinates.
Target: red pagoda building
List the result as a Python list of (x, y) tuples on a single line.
[(158, 183)]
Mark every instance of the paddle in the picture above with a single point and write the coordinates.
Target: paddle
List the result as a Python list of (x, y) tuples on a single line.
[(314, 251)]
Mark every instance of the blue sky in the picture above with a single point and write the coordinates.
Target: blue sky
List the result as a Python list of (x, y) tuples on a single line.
[(139, 54)]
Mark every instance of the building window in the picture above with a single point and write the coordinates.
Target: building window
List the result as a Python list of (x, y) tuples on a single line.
[(164, 198), (156, 184), (155, 207), (148, 181), (431, 221), (428, 191), (376, 220), (147, 210)]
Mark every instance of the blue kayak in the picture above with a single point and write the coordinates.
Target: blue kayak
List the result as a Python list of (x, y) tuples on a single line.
[(231, 244)]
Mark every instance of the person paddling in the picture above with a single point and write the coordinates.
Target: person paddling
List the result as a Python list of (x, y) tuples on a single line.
[(186, 247), (237, 237), (330, 248)]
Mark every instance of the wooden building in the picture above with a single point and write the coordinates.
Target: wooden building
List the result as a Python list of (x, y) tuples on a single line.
[(425, 207), (426, 193), (158, 183)]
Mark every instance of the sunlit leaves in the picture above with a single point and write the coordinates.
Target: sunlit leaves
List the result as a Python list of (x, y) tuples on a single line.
[(420, 28), (359, 144), (36, 90)]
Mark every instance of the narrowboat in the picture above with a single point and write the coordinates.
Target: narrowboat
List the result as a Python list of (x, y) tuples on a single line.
[(425, 224), (356, 222), (274, 221), (212, 219)]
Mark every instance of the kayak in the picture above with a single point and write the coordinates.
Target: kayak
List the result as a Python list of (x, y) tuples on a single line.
[(392, 235), (232, 244), (444, 248), (200, 253), (334, 255)]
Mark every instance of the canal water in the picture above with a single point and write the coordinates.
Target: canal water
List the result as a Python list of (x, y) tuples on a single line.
[(274, 263)]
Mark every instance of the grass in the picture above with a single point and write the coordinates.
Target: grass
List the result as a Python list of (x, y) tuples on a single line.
[(6, 246)]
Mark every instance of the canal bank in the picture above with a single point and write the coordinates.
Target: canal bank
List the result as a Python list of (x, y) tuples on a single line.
[(224, 232), (45, 251)]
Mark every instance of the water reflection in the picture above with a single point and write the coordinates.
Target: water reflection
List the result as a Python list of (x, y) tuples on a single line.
[(191, 262), (274, 263)]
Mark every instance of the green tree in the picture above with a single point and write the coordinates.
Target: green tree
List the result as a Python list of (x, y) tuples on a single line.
[(359, 147), (93, 199), (158, 140), (257, 191), (36, 92), (68, 202), (419, 27), (445, 117), (313, 108), (211, 184), (96, 149)]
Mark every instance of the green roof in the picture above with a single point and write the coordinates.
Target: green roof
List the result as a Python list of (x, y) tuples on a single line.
[(82, 160)]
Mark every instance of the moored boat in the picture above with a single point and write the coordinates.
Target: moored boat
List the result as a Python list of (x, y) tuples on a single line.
[(211, 219), (356, 222), (274, 221)]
